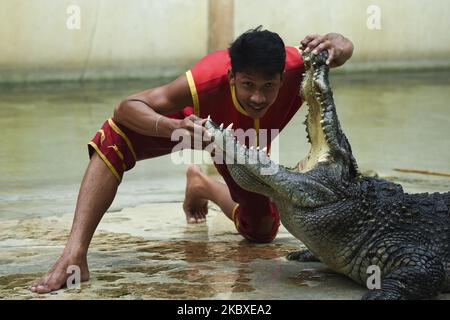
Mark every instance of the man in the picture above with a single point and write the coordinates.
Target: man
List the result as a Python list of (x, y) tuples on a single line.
[(254, 84)]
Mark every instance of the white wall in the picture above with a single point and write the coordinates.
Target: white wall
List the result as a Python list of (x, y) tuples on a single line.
[(152, 38), (414, 33), (117, 38)]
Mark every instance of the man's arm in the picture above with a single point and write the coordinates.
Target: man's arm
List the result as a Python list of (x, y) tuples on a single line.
[(142, 112), (340, 49)]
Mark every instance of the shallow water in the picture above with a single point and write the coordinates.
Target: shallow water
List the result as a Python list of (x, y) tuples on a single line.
[(143, 248)]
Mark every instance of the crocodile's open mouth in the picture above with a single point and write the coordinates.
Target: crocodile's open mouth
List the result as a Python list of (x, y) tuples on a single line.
[(319, 128), (313, 89), (330, 155)]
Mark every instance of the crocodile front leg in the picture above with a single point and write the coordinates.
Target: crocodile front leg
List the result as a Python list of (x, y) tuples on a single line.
[(421, 277), (302, 256)]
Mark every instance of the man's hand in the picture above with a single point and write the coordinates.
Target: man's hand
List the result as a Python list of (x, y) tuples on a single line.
[(340, 49), (192, 127)]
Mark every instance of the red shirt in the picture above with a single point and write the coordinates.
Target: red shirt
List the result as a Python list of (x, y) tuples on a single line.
[(212, 93)]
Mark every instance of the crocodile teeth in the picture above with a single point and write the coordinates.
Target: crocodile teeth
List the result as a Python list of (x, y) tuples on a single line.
[(230, 126), (323, 158), (208, 135), (264, 149), (209, 117), (221, 126)]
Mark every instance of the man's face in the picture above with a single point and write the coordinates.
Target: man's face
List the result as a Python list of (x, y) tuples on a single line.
[(256, 92)]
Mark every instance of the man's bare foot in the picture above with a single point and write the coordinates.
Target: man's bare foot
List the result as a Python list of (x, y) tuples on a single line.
[(195, 206), (56, 277)]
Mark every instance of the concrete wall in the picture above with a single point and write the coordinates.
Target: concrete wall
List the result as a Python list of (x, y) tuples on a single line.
[(117, 38), (413, 34), (153, 38)]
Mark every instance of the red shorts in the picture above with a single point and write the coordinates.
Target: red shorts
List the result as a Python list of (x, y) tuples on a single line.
[(255, 216)]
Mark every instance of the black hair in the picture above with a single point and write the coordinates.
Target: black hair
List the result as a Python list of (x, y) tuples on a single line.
[(258, 50)]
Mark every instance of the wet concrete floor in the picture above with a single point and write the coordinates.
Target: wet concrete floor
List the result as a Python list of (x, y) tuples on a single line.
[(149, 252)]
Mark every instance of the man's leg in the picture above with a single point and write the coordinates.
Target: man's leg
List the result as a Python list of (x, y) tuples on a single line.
[(97, 191), (201, 188)]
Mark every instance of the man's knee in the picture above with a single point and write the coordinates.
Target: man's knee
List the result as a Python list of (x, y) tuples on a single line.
[(264, 232)]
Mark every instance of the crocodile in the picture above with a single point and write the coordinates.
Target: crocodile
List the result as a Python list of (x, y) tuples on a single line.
[(350, 222)]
